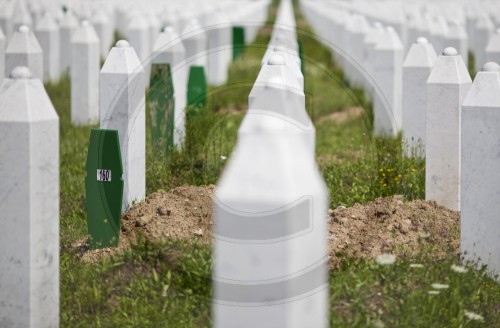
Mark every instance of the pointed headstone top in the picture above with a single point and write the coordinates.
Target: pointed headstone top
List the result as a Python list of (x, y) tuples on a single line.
[(485, 91), (69, 20), (23, 41), (449, 69), (85, 33), (421, 54), (450, 51), (47, 23), (389, 40), (122, 44), (168, 41), (122, 59), (491, 67)]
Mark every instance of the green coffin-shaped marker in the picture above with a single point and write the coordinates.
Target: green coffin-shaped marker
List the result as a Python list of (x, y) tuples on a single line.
[(197, 88), (104, 188), (238, 42), (161, 104)]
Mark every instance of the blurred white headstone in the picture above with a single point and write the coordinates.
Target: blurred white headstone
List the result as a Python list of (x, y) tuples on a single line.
[(67, 25), (493, 48), (47, 33), (24, 50), (104, 28), (219, 34), (29, 171), (482, 33), (195, 42), (416, 70), (85, 75)]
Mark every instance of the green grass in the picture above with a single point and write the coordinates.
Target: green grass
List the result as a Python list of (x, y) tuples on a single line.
[(168, 284)]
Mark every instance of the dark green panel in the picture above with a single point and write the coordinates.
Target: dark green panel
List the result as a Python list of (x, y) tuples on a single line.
[(238, 42), (161, 102), (197, 89), (104, 198)]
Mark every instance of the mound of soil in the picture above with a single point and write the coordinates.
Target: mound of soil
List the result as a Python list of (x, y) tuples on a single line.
[(384, 225)]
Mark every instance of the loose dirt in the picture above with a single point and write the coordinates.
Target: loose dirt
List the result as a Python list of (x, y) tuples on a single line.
[(384, 225)]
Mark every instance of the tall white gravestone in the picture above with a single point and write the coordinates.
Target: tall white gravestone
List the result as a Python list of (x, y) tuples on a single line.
[(24, 50), (447, 87), (416, 70), (138, 34), (270, 248), (388, 72), (480, 184), (493, 48), (169, 49), (195, 42), (122, 104), (85, 63), (47, 33), (68, 25), (219, 47), (29, 171)]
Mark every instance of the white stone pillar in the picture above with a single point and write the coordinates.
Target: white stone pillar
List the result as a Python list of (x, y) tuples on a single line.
[(22, 16), (195, 42), (68, 25), (480, 182), (220, 47), (373, 35), (388, 72), (24, 50), (169, 49), (29, 171), (493, 48), (138, 34), (416, 70), (122, 105), (104, 28), (270, 248), (85, 75), (47, 33), (2, 56), (457, 38), (482, 33), (447, 87)]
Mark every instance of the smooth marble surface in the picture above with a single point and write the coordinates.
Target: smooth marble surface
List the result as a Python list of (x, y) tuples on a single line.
[(447, 87), (47, 33), (169, 49), (416, 70), (85, 65), (29, 224), (122, 107), (480, 182), (24, 50)]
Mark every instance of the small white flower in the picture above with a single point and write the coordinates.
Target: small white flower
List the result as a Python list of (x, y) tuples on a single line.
[(473, 316), (440, 286), (385, 259), (222, 157), (416, 265), (433, 292), (459, 268), (424, 234)]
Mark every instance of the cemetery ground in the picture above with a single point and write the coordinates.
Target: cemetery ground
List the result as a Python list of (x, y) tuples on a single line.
[(164, 281)]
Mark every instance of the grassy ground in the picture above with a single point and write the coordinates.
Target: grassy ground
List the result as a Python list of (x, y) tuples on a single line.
[(168, 284)]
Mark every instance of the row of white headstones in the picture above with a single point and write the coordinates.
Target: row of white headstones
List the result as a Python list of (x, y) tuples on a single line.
[(445, 117), (270, 249), (29, 143)]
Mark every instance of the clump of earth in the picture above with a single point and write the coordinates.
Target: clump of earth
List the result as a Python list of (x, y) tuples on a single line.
[(386, 225)]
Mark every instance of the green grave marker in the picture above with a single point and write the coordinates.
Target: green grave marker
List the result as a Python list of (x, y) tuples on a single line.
[(238, 42), (104, 188), (161, 102), (197, 89)]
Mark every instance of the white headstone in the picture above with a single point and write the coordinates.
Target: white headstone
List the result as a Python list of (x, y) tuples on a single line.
[(416, 70), (85, 75), (373, 35), (122, 105), (22, 16), (2, 56), (24, 50), (482, 33), (219, 34), (169, 49), (480, 182), (388, 72), (493, 48), (447, 87), (138, 34), (68, 25), (103, 26), (29, 171), (270, 245), (195, 42), (47, 33), (457, 38)]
